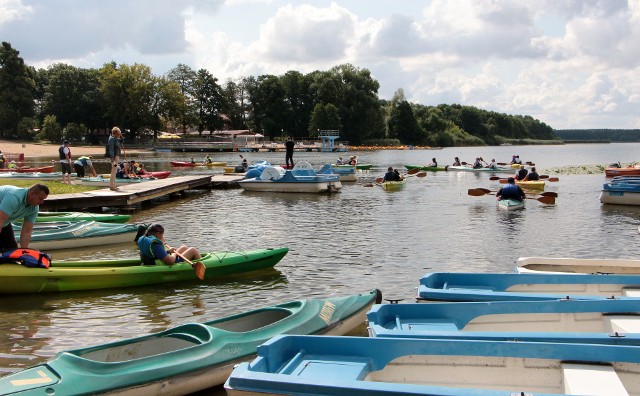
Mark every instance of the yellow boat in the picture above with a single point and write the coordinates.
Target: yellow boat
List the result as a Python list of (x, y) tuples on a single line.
[(393, 185), (531, 184)]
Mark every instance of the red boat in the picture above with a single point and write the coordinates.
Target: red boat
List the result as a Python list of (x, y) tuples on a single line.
[(183, 163), (625, 171), (157, 175)]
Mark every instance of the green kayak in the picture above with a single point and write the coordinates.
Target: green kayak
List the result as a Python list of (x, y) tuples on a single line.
[(82, 216), (428, 168), (358, 166), (104, 274), (187, 358)]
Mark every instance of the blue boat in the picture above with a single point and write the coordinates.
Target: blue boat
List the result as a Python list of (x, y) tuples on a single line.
[(301, 179), (346, 174), (466, 286), (614, 322), (621, 191), (311, 365)]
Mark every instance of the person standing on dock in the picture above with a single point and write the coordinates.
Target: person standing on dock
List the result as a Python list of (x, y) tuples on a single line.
[(19, 204), (65, 161), (289, 145), (115, 149)]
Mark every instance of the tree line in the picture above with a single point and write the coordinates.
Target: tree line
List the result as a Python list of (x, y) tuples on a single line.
[(609, 135), (73, 102)]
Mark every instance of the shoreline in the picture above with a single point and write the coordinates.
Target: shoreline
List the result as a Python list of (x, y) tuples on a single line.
[(34, 150)]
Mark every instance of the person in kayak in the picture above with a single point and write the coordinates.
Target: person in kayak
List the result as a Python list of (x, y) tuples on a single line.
[(493, 164), (153, 247), (478, 163), (511, 191), (19, 204), (207, 160), (456, 162), (390, 175), (521, 174), (433, 162), (396, 172), (533, 175)]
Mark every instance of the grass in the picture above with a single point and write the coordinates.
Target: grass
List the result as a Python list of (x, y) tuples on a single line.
[(55, 186)]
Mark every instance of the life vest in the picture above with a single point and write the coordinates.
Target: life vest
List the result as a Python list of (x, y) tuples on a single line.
[(83, 160), (145, 245), (28, 257), (510, 191), (61, 152)]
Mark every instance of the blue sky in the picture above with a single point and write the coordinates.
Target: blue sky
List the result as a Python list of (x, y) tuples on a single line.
[(568, 63)]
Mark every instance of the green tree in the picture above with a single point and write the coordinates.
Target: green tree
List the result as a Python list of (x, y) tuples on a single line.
[(26, 128), (186, 77), (324, 117), (234, 101), (271, 109), (404, 126), (74, 132), (210, 102), (17, 90), (51, 130), (299, 98)]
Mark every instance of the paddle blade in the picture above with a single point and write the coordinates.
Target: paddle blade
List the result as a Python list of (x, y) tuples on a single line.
[(379, 180), (368, 185), (476, 192), (494, 178), (421, 174), (486, 190), (199, 269), (549, 194), (413, 171), (541, 177), (547, 200), (503, 181), (502, 163), (553, 179)]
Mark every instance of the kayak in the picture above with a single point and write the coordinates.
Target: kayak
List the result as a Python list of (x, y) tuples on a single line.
[(190, 357), (428, 168), (42, 169), (104, 274), (104, 181), (45, 217), (33, 175), (531, 184), (70, 235), (358, 166), (154, 175), (393, 185), (470, 169), (510, 204), (192, 164)]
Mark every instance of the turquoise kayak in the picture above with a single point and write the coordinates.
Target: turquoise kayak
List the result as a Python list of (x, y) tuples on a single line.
[(187, 358), (102, 274), (44, 217), (470, 169), (510, 204)]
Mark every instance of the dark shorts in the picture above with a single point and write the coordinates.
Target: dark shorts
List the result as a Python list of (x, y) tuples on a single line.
[(66, 168), (7, 238), (79, 169)]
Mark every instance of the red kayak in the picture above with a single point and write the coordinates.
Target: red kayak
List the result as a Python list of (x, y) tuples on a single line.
[(183, 163), (156, 175)]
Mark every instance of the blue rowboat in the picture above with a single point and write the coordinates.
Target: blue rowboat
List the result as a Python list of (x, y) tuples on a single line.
[(311, 365), (187, 358), (615, 322), (465, 286)]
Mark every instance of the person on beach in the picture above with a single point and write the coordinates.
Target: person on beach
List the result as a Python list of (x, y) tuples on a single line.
[(289, 145), (65, 161), (115, 150), (83, 162), (153, 247), (19, 204), (511, 191)]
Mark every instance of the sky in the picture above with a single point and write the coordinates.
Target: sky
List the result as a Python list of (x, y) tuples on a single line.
[(571, 64)]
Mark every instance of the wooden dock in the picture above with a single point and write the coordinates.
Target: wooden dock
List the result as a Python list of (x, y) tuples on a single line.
[(128, 195)]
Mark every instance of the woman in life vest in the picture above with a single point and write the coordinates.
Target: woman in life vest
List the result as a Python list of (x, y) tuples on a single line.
[(153, 247)]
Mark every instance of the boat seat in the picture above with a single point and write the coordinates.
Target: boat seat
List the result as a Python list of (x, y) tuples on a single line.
[(631, 292), (590, 379)]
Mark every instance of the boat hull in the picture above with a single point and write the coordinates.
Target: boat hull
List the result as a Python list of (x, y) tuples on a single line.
[(428, 168), (103, 274), (393, 185), (290, 187), (311, 365), (358, 166), (531, 184), (617, 197), (45, 217), (70, 235), (577, 266), (540, 321), (470, 169), (462, 286), (190, 357), (626, 171), (510, 204)]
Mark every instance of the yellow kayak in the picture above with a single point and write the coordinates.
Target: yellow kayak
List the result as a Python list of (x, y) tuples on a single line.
[(393, 185), (531, 184)]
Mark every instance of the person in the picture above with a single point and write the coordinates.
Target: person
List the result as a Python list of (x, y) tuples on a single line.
[(478, 163), (2, 160), (493, 164), (81, 163), (456, 162), (518, 160), (396, 172), (521, 174), (193, 161), (433, 162), (353, 160), (244, 164), (390, 175), (340, 161), (12, 165), (19, 204), (207, 160), (513, 160), (115, 149), (289, 145), (533, 175), (65, 161), (511, 191), (153, 247)]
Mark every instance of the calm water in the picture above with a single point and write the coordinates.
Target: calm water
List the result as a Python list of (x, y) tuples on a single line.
[(359, 239)]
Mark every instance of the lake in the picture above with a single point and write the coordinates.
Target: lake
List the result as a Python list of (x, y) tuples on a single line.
[(359, 239)]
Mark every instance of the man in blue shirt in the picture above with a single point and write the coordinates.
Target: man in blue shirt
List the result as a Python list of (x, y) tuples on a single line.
[(19, 204), (511, 191)]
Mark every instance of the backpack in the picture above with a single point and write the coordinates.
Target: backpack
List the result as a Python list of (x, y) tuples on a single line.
[(28, 257)]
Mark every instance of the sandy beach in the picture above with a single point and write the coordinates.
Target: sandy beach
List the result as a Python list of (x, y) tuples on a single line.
[(50, 150)]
